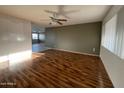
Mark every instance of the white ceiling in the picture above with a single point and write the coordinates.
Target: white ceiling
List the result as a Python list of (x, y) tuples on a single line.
[(36, 14)]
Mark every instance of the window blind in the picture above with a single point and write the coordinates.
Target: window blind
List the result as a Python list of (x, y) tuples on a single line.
[(110, 34), (113, 36)]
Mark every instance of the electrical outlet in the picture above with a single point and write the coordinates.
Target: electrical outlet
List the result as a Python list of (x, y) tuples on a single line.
[(94, 49)]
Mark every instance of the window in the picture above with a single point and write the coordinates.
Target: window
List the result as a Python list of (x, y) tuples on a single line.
[(113, 36), (34, 36), (109, 34)]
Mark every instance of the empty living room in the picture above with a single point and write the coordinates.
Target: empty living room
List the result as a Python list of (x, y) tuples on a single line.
[(61, 46)]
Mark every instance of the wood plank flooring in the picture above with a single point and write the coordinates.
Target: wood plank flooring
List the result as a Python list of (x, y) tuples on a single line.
[(56, 69)]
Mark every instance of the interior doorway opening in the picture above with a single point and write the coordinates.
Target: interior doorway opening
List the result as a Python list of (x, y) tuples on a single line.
[(38, 39)]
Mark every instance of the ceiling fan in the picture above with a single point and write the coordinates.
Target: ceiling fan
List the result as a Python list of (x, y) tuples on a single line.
[(57, 20), (61, 12)]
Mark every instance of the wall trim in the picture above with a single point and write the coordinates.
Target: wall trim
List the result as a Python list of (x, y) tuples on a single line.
[(74, 52)]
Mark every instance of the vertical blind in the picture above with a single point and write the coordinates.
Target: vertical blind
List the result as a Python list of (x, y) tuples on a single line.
[(110, 31), (113, 38)]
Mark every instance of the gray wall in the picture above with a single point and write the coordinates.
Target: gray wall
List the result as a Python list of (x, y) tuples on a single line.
[(79, 38), (50, 38), (113, 64)]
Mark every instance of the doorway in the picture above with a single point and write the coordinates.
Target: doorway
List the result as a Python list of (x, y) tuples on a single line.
[(38, 39)]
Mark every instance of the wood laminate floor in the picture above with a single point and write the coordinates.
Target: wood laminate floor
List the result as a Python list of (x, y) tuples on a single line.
[(56, 69)]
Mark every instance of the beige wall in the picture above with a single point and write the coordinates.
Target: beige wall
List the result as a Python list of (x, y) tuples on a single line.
[(80, 38), (15, 35), (113, 64)]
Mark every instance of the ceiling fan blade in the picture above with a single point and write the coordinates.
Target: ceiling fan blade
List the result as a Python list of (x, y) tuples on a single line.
[(59, 23), (61, 19), (51, 17), (48, 11), (57, 19)]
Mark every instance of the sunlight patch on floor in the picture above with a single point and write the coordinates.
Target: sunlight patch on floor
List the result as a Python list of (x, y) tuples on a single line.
[(15, 58)]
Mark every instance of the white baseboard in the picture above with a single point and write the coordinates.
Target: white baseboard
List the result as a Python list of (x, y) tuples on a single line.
[(75, 52)]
